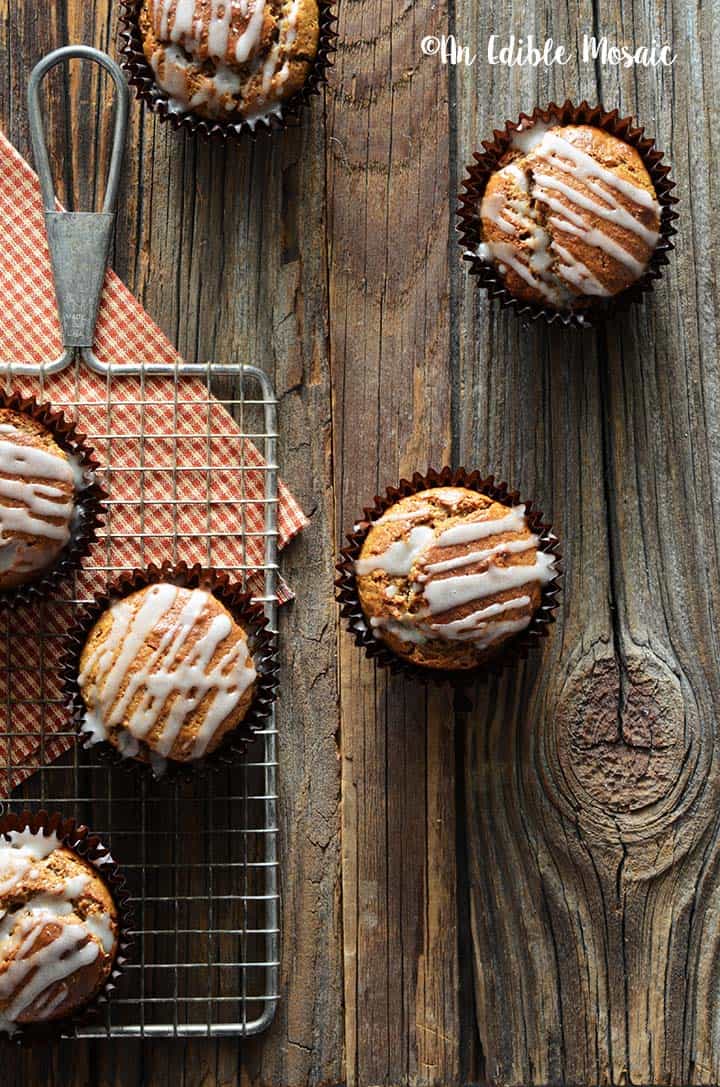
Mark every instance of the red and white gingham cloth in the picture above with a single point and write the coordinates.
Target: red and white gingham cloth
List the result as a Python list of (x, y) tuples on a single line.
[(156, 502)]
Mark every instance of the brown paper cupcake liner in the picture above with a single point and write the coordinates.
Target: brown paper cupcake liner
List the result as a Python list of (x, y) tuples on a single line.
[(87, 845), (261, 642), (89, 501), (142, 78), (375, 648), (486, 163)]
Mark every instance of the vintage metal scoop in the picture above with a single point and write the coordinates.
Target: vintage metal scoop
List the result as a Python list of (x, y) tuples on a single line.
[(79, 241)]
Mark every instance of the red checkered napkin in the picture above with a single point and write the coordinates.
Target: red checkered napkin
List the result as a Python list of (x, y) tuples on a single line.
[(172, 464)]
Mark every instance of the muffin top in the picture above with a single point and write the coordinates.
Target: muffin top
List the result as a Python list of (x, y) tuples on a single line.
[(58, 930), (230, 59), (570, 216), (446, 576), (165, 673), (37, 498)]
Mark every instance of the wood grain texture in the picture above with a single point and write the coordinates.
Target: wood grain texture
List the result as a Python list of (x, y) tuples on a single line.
[(388, 182), (591, 780), (529, 889)]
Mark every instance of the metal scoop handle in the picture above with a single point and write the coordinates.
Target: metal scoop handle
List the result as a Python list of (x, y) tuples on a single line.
[(37, 129), (79, 241), (79, 244)]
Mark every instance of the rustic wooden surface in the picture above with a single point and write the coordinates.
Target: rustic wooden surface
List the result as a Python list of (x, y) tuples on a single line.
[(526, 893)]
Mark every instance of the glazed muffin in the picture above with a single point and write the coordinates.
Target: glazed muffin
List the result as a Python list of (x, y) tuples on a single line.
[(448, 575), (227, 60), (38, 482), (165, 673), (58, 930), (569, 217)]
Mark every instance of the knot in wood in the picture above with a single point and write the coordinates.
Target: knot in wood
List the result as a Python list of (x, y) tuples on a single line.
[(620, 733)]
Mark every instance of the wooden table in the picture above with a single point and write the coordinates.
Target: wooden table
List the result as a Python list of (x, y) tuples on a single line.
[(526, 893)]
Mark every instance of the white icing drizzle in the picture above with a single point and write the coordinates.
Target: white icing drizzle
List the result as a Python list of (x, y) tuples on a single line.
[(222, 89), (511, 547), (183, 22), (467, 627), (512, 215), (506, 253), (32, 842), (471, 531), (127, 744), (164, 28), (46, 1006), (410, 515), (100, 925), (517, 215), (227, 83), (75, 885), (219, 28), (398, 559), (575, 272), (270, 68), (493, 632), (31, 972), (93, 729), (19, 852), (529, 135), (167, 680), (39, 509), (556, 149), (449, 496), (443, 594), (600, 240), (565, 156), (250, 37), (171, 67), (13, 870), (407, 632), (287, 33), (606, 208)]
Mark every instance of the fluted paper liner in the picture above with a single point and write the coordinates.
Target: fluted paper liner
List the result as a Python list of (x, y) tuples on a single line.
[(81, 840), (347, 589), (261, 643), (486, 163), (88, 501), (142, 78)]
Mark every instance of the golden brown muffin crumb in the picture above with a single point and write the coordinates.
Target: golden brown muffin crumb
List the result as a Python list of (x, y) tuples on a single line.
[(37, 498), (446, 576), (166, 672), (570, 216), (58, 930), (223, 60)]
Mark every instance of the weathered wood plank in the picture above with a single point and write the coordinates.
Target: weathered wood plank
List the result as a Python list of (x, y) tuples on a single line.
[(389, 352), (591, 778)]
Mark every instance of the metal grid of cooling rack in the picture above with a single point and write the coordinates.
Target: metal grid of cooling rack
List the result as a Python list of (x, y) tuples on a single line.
[(201, 857)]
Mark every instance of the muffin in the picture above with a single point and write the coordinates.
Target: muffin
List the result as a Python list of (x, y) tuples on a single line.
[(233, 60), (59, 930), (569, 217), (165, 673), (448, 575), (38, 483)]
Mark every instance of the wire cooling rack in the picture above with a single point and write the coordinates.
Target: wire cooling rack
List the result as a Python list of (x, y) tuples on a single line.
[(201, 857)]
